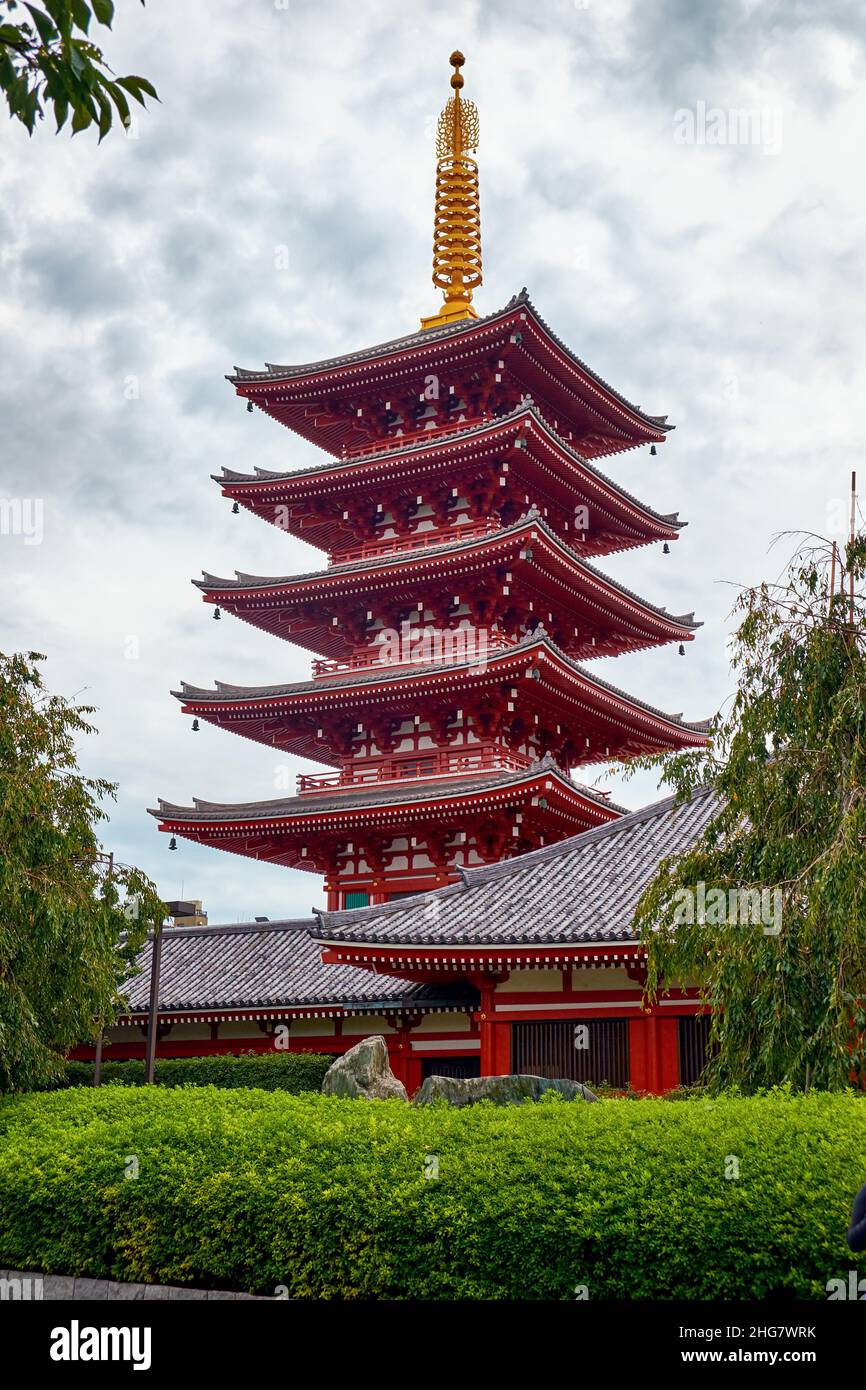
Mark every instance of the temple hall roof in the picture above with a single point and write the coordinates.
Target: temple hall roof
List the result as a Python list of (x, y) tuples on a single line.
[(266, 965), (581, 890)]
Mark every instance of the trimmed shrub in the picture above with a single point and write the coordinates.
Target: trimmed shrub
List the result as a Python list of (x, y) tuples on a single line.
[(268, 1071), (328, 1198)]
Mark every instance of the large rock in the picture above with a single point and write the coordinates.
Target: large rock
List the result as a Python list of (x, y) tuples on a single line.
[(364, 1073), (502, 1090)]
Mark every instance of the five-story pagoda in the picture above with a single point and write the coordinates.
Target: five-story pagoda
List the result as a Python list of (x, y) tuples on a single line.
[(460, 511)]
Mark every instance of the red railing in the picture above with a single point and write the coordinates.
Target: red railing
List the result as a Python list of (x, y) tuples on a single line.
[(439, 762), (473, 648), (417, 540), (389, 443)]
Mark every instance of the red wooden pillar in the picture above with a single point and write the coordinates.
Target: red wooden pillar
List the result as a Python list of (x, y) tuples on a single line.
[(653, 1071), (486, 1027), (495, 1037), (637, 1053), (397, 1060), (411, 1074), (669, 1054), (404, 1065), (501, 1049), (654, 1063)]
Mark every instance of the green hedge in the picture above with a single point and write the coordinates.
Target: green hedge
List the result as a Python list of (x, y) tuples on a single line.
[(328, 1199), (268, 1071)]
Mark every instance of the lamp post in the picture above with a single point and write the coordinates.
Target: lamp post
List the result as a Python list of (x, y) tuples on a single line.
[(153, 1006)]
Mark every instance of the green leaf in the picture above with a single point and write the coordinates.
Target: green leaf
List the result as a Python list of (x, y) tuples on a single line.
[(137, 85), (88, 73), (59, 11), (104, 11), (47, 31), (105, 114), (119, 100), (16, 95), (30, 108), (81, 14), (81, 120), (7, 70)]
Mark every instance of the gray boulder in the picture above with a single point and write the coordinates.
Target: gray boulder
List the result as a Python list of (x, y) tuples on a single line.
[(502, 1090), (364, 1073)]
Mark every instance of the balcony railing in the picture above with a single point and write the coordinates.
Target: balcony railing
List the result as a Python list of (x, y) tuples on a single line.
[(439, 762), (416, 540), (473, 648), (392, 443)]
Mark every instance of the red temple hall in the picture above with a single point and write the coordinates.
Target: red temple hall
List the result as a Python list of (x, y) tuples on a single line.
[(460, 510)]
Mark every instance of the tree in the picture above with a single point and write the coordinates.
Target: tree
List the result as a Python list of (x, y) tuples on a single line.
[(47, 59), (789, 764), (62, 917)]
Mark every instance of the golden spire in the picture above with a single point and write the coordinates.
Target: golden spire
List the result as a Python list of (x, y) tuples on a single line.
[(457, 225)]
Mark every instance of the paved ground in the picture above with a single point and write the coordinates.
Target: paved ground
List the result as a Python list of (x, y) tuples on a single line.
[(21, 1284)]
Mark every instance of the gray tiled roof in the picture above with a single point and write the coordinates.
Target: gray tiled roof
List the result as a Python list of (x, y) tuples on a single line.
[(265, 965), (434, 439), (376, 795), (423, 337), (225, 693), (400, 558), (584, 889)]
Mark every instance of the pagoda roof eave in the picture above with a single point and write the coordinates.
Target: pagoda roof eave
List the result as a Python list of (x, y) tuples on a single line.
[(419, 345), (530, 648), (243, 583), (234, 482), (384, 796)]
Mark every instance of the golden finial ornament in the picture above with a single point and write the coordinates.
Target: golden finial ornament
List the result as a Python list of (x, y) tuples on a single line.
[(457, 224)]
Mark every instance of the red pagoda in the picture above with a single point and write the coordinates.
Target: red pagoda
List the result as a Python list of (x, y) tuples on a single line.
[(461, 510)]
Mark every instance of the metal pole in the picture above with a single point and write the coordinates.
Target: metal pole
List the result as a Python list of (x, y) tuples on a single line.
[(853, 532), (153, 1010), (97, 1057), (832, 581)]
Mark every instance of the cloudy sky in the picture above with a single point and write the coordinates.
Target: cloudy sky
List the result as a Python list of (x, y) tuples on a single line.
[(277, 206)]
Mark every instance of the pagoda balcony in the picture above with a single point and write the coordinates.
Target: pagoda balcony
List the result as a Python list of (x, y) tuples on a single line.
[(439, 762), (413, 434), (416, 540), (371, 657), (510, 578)]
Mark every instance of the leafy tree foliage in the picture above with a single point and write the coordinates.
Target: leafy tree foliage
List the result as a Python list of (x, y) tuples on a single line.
[(789, 763), (63, 906), (48, 60)]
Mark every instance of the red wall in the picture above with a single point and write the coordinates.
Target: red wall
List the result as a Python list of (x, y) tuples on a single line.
[(653, 1047)]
